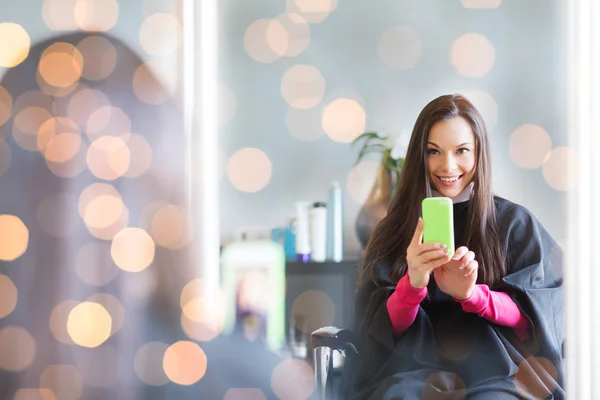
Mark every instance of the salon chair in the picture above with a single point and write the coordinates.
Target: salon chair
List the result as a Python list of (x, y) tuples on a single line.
[(326, 341)]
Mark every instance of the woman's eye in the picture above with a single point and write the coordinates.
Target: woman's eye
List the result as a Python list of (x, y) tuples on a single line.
[(463, 150), (432, 151)]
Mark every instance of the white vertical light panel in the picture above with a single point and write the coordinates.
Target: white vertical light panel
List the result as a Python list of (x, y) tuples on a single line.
[(583, 302), (201, 105), (594, 180)]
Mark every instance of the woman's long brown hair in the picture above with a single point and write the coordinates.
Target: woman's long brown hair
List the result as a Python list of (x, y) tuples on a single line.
[(386, 250)]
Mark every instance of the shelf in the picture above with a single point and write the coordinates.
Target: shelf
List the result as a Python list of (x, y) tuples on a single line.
[(327, 267)]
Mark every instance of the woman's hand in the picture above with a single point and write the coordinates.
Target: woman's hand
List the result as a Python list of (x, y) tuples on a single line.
[(457, 277), (422, 258)]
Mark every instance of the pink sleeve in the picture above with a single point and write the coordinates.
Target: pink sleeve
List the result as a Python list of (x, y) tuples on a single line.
[(403, 305), (497, 307)]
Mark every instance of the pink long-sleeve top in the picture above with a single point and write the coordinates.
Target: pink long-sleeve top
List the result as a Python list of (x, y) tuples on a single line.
[(496, 307)]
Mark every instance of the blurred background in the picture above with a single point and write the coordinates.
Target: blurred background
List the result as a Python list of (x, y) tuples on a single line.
[(101, 293)]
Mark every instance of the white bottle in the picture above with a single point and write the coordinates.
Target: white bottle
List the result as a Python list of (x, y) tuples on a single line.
[(318, 232), (335, 223), (303, 249)]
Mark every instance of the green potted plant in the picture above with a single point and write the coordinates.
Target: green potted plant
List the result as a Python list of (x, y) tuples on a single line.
[(393, 151)]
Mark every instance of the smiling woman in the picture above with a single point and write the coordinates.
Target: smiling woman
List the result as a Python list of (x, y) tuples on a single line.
[(475, 324)]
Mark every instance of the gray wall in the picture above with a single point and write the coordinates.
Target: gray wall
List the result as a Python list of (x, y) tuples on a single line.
[(527, 83)]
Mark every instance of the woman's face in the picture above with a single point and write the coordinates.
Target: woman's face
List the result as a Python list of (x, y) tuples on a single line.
[(451, 156)]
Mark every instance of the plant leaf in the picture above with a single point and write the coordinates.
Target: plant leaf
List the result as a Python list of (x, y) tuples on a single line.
[(370, 149)]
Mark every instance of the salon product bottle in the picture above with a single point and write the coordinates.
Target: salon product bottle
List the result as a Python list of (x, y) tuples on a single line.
[(335, 223), (303, 249), (318, 232)]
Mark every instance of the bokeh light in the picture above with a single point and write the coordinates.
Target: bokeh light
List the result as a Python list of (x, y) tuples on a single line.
[(314, 11), (65, 381), (84, 103), (557, 172), (17, 349), (529, 146), (6, 105), (185, 363), (486, 105), (59, 15), (161, 34), (58, 321), (400, 47), (313, 309), (14, 51), (100, 57), (147, 88), (96, 15), (63, 147), (132, 249), (34, 394), (27, 124), (61, 65), (148, 364), (298, 35), (266, 40), (293, 379), (89, 324), (344, 120), (50, 130), (473, 55), (169, 227), (104, 211), (14, 237), (114, 308), (55, 91), (108, 121), (73, 165), (8, 296), (88, 196), (108, 157), (200, 319), (91, 193), (140, 156), (303, 86), (360, 180), (249, 170)]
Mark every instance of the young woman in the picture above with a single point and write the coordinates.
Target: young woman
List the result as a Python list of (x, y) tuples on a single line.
[(483, 324)]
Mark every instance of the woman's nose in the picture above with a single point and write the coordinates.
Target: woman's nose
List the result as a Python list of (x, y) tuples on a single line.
[(449, 163)]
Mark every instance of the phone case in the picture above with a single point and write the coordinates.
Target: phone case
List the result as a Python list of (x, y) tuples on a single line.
[(438, 221)]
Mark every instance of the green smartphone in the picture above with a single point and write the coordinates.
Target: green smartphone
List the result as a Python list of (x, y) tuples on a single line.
[(438, 222)]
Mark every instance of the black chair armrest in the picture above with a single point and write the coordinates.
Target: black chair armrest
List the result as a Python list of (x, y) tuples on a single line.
[(342, 340)]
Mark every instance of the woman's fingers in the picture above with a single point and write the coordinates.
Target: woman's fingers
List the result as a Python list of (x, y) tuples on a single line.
[(418, 235), (427, 247), (472, 267), (460, 252), (436, 263), (432, 255), (470, 256)]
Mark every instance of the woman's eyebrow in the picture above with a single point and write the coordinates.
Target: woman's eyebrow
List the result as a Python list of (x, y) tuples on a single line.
[(460, 145)]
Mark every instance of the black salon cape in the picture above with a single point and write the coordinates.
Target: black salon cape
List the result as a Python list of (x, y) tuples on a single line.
[(451, 354)]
